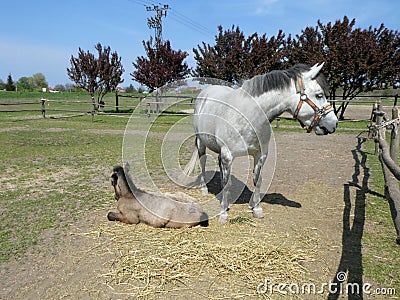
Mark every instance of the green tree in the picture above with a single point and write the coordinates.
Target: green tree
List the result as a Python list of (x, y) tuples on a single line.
[(130, 89), (60, 87), (39, 81), (25, 84), (10, 86)]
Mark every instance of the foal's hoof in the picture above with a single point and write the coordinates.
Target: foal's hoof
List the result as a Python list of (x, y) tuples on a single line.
[(111, 216), (223, 218), (258, 213)]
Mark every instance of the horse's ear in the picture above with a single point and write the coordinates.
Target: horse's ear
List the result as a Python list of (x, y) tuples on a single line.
[(314, 71), (127, 168)]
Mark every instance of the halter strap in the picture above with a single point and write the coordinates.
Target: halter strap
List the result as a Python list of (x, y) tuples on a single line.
[(319, 112)]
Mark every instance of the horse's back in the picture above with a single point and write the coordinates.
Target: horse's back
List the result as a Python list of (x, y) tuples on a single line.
[(227, 117)]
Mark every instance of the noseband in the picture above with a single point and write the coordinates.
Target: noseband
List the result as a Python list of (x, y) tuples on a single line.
[(318, 112)]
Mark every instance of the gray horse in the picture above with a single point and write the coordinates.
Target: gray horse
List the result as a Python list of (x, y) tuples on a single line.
[(236, 122)]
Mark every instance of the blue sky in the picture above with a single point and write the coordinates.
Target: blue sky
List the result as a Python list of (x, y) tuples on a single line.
[(40, 36)]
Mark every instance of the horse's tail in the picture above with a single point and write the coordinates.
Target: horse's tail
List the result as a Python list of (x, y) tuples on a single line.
[(192, 163)]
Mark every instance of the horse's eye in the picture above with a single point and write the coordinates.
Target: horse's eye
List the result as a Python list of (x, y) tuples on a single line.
[(320, 96)]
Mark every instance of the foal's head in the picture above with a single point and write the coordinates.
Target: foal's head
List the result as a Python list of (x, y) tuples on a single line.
[(120, 183)]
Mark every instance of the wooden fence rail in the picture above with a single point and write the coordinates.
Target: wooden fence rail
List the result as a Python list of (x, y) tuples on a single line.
[(150, 105), (388, 157)]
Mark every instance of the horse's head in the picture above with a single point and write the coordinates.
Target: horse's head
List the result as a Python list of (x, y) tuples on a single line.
[(313, 110), (119, 182)]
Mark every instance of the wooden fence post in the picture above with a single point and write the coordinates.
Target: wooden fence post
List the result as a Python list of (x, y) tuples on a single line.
[(389, 159), (93, 109), (378, 120), (148, 111), (394, 136), (116, 101), (394, 201), (43, 108)]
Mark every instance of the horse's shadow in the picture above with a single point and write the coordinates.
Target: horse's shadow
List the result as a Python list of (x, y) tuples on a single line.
[(240, 192), (351, 263)]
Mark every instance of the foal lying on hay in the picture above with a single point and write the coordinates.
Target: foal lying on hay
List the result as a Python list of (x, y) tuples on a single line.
[(154, 209)]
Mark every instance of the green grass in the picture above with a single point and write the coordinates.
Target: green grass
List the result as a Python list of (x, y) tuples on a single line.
[(50, 178), (55, 170), (381, 258)]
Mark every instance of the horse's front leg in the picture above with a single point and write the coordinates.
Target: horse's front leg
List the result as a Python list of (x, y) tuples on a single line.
[(225, 164), (255, 200)]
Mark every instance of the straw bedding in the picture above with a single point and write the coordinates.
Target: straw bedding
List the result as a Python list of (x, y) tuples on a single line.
[(220, 261)]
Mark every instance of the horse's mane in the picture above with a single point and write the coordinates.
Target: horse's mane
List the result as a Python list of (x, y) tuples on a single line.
[(279, 80)]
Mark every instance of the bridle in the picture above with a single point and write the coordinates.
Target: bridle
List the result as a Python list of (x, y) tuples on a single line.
[(318, 112)]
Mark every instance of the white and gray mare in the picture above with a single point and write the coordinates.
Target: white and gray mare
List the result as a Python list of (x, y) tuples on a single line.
[(235, 122)]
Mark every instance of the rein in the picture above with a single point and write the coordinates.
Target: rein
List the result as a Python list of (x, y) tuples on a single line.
[(318, 112)]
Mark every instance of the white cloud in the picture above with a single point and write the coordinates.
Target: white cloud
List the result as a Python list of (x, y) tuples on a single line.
[(264, 7)]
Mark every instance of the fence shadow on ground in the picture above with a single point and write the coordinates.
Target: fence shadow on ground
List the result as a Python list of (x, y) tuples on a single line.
[(242, 193), (351, 266)]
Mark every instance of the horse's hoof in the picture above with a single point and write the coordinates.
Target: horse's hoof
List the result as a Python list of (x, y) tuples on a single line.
[(223, 218), (204, 191), (258, 213)]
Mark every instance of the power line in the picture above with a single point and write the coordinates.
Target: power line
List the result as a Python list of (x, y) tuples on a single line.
[(176, 16), (190, 22)]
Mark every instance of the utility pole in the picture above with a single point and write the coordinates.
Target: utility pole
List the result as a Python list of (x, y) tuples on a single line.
[(156, 22)]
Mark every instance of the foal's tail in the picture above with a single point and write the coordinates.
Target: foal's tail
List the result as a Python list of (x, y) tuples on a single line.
[(192, 163), (204, 220)]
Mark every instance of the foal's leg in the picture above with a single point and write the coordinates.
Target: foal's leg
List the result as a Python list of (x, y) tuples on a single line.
[(255, 200), (225, 162), (117, 216), (201, 150)]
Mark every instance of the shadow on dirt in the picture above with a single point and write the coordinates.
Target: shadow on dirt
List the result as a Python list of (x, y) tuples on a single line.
[(350, 268), (242, 193)]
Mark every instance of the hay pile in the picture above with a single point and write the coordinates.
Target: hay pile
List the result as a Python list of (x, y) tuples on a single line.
[(219, 261)]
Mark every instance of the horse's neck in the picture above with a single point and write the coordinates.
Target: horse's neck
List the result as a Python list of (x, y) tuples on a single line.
[(274, 103)]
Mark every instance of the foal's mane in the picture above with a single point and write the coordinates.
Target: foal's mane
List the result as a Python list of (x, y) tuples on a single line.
[(279, 80)]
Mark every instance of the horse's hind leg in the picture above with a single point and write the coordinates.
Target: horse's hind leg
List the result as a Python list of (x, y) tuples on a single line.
[(255, 200), (225, 162), (201, 150)]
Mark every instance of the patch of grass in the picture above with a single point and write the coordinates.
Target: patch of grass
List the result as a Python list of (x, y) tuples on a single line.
[(381, 258), (52, 171), (241, 220)]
